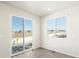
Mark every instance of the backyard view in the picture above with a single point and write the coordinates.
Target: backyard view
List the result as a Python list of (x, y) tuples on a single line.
[(27, 34), (21, 34), (57, 27)]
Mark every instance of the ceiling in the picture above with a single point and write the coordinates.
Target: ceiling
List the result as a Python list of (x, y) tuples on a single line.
[(42, 8)]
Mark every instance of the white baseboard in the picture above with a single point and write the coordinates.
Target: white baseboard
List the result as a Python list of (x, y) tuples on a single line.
[(60, 52)]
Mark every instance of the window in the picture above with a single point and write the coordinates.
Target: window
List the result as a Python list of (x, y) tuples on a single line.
[(51, 28), (61, 27), (57, 27)]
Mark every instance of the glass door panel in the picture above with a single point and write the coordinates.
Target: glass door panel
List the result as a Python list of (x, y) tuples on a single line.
[(27, 34), (17, 34)]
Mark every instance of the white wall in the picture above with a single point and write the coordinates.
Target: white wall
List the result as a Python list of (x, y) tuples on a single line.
[(5, 34), (70, 45)]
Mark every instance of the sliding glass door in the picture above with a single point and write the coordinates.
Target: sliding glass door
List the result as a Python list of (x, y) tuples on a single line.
[(21, 34), (17, 34), (27, 33)]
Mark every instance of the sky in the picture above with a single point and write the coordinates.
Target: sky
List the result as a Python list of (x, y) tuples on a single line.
[(17, 24), (59, 23)]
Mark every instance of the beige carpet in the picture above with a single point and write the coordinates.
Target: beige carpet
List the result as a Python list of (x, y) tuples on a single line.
[(42, 53)]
